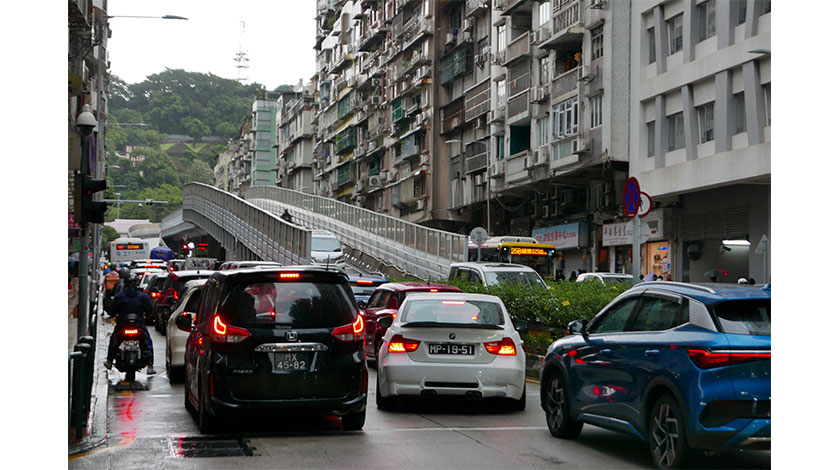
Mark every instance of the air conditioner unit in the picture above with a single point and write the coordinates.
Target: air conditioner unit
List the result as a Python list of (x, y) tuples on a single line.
[(376, 82), (542, 156), (450, 38), (424, 71), (375, 181), (479, 60), (529, 161), (375, 100), (467, 36), (580, 145), (479, 179), (541, 94), (479, 122), (499, 57), (390, 176), (421, 204), (498, 115), (394, 129), (418, 120)]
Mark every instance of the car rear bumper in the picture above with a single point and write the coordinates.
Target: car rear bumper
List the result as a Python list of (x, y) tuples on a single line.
[(343, 405), (742, 433), (504, 377)]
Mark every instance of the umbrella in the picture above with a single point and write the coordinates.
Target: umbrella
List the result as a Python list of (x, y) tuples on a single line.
[(649, 277), (161, 252), (715, 273)]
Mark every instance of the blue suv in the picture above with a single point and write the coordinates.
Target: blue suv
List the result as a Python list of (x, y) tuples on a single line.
[(682, 366)]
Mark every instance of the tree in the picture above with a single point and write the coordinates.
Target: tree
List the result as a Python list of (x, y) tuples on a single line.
[(109, 234), (157, 168), (199, 171), (195, 128)]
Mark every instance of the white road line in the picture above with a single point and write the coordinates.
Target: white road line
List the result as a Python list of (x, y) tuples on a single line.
[(494, 428)]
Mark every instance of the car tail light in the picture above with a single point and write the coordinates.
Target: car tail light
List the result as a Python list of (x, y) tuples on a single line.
[(399, 344), (351, 333), (505, 347), (433, 290), (708, 360), (155, 295), (131, 331), (289, 275), (222, 333), (362, 282)]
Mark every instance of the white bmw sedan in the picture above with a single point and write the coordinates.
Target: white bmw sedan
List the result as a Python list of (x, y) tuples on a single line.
[(176, 336), (451, 344)]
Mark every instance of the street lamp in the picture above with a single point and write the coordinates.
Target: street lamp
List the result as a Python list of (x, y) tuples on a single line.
[(481, 142), (85, 123)]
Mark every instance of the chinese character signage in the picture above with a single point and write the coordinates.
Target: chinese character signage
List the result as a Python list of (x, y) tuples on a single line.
[(565, 236)]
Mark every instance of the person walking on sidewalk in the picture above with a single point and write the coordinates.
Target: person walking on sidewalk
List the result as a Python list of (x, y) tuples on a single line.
[(128, 301)]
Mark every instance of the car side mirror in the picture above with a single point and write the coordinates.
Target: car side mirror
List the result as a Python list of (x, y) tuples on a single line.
[(184, 321), (384, 323), (362, 304), (577, 327), (520, 325)]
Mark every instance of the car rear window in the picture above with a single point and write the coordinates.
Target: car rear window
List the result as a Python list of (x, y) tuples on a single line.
[(513, 277), (744, 317), (295, 304), (453, 311), (325, 244), (363, 290)]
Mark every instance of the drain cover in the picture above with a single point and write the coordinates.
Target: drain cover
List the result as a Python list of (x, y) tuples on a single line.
[(221, 446)]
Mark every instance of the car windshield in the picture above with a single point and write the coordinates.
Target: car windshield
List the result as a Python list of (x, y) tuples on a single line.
[(744, 317), (453, 312), (514, 277), (296, 304), (325, 244)]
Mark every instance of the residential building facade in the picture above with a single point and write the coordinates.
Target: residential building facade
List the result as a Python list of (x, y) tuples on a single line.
[(263, 135)]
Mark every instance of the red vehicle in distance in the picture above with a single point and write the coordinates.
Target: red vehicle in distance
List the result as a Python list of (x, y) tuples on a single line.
[(384, 302)]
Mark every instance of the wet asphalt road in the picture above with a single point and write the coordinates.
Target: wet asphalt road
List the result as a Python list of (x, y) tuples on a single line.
[(152, 429)]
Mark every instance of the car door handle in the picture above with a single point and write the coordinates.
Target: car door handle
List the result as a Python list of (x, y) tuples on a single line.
[(606, 351), (651, 352)]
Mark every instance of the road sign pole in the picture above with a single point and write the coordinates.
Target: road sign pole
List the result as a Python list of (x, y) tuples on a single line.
[(637, 227)]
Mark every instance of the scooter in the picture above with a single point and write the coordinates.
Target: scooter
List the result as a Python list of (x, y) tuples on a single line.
[(133, 351)]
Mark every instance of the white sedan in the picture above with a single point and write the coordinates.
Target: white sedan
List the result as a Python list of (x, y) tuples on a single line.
[(454, 344), (176, 337)]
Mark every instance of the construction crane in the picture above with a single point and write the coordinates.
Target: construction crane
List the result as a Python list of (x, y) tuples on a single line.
[(241, 57)]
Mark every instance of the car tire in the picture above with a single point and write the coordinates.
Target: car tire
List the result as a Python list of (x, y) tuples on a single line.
[(176, 374), (187, 403), (666, 434), (354, 420), (558, 414), (519, 404), (384, 403), (206, 421)]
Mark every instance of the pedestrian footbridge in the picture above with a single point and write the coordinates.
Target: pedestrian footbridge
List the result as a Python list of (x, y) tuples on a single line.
[(251, 229)]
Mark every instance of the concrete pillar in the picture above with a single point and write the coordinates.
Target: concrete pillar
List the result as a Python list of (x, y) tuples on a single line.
[(692, 137), (724, 125), (660, 33), (691, 29), (754, 105), (660, 132), (726, 15)]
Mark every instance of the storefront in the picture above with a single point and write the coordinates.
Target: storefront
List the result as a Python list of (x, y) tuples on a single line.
[(617, 243), (571, 241)]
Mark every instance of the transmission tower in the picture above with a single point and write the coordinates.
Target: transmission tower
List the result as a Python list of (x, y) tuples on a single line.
[(241, 57)]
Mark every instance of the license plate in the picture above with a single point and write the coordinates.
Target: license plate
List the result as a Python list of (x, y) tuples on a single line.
[(130, 346), (452, 349), (293, 361)]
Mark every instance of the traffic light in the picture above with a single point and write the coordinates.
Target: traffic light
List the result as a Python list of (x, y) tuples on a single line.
[(185, 249), (86, 209)]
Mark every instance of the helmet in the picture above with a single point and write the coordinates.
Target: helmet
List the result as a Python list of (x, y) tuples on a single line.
[(124, 273), (743, 281), (133, 280)]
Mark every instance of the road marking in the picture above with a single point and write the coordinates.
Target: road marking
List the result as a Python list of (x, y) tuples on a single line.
[(492, 428)]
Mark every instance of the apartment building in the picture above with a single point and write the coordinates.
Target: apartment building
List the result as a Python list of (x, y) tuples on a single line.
[(263, 134), (239, 170), (294, 139), (221, 177), (700, 131)]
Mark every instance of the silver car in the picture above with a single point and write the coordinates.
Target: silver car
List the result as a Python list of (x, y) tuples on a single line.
[(176, 335)]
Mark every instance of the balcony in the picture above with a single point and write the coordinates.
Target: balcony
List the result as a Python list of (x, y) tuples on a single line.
[(565, 82), (508, 7), (456, 64), (345, 142), (416, 60), (516, 166), (519, 84), (477, 101), (516, 107), (416, 30), (567, 25), (453, 116), (477, 161), (519, 48), (475, 6)]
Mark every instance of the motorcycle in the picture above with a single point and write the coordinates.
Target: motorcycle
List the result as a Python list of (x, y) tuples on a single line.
[(133, 351)]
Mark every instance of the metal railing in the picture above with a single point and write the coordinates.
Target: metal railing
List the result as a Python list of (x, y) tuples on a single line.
[(414, 249), (235, 223)]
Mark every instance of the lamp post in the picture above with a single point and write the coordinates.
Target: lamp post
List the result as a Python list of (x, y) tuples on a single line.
[(480, 142), (85, 123)]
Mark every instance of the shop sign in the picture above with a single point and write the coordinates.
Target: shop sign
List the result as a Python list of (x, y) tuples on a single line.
[(575, 235), (622, 232)]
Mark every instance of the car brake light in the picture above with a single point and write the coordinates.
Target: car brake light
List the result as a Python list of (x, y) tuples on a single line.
[(289, 275), (131, 331), (364, 282), (452, 302), (155, 295), (399, 344), (222, 333), (505, 347), (433, 290), (351, 333), (708, 360)]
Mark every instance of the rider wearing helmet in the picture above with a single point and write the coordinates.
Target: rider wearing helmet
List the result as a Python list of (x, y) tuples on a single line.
[(131, 300)]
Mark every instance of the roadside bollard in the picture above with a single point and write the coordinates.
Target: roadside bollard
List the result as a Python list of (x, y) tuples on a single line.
[(73, 356), (78, 418), (88, 374)]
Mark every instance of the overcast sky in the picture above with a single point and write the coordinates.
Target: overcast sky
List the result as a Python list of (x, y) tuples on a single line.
[(279, 38)]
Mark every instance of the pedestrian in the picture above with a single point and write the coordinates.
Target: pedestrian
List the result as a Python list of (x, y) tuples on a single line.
[(572, 276), (559, 276), (659, 278), (751, 282), (286, 216)]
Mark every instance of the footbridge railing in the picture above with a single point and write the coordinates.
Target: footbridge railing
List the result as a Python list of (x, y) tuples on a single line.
[(244, 230), (414, 249)]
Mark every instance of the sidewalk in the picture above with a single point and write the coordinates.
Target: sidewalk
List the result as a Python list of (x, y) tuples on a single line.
[(96, 432)]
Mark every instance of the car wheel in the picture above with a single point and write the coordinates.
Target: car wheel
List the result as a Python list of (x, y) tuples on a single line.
[(558, 415), (384, 403), (519, 405), (187, 404), (666, 434), (354, 420), (206, 422), (176, 374)]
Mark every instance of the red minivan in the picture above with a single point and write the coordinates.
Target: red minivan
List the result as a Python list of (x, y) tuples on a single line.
[(384, 302)]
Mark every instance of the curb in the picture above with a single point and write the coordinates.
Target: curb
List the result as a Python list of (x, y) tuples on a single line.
[(97, 428)]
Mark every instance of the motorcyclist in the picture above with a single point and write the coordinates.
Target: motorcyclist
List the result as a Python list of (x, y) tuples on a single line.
[(131, 300)]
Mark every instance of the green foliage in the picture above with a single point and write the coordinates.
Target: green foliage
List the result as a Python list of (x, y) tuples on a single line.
[(199, 171), (109, 234), (157, 168)]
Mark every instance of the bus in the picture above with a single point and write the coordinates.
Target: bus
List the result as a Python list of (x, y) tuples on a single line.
[(124, 250), (518, 250)]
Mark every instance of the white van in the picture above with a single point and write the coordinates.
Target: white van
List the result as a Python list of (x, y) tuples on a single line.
[(326, 250)]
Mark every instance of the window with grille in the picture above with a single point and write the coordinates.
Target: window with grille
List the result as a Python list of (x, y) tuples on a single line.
[(597, 42), (706, 121), (651, 138), (565, 118), (676, 132), (675, 34)]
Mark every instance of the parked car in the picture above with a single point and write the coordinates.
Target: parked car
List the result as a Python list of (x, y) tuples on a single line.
[(326, 250), (363, 286), (683, 366), (490, 274), (604, 278), (384, 303), (170, 293), (276, 339), (451, 344), (178, 329)]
